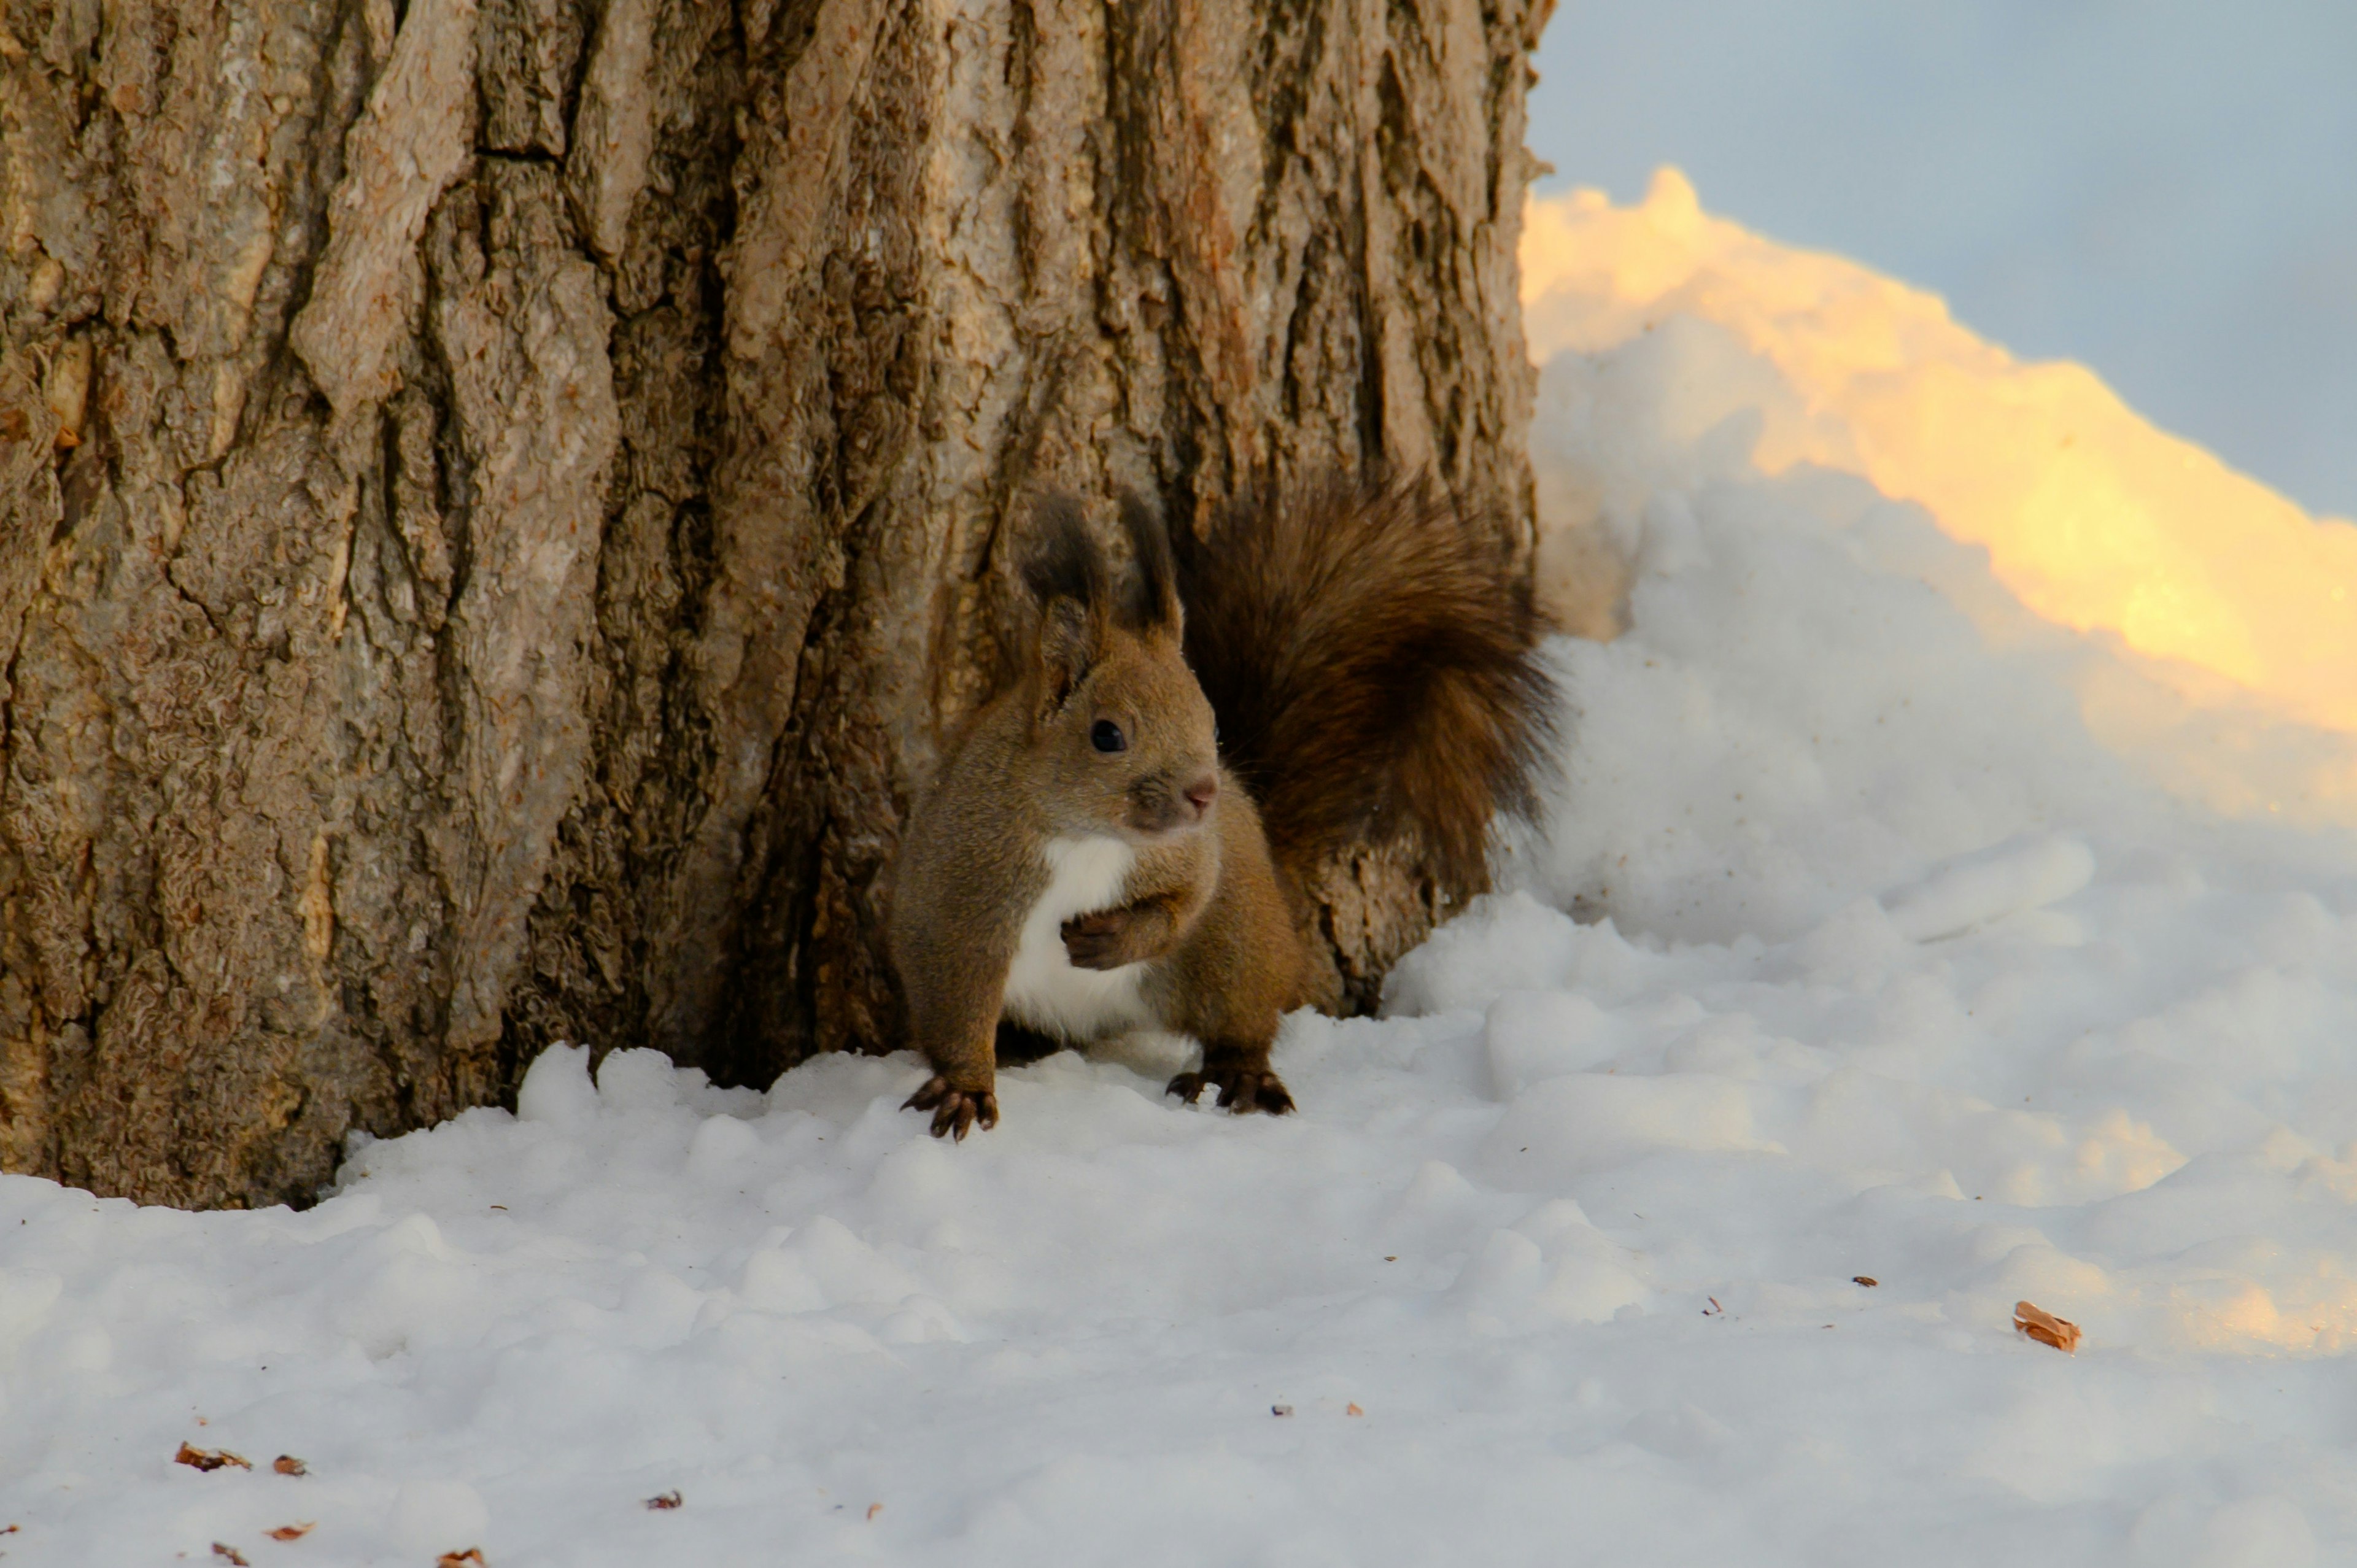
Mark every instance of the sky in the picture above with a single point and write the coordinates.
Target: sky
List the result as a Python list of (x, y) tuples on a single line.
[(2164, 190)]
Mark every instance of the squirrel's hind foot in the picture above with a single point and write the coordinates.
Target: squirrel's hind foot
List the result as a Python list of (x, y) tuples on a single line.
[(1241, 1090), (955, 1110)]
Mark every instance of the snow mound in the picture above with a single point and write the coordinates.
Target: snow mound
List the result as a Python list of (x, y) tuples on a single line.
[(1676, 340), (1887, 962)]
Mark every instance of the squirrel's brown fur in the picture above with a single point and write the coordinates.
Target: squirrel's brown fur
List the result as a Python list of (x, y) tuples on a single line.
[(1085, 863), (1368, 650)]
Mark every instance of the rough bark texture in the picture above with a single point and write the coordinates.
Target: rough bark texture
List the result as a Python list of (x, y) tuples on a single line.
[(500, 500)]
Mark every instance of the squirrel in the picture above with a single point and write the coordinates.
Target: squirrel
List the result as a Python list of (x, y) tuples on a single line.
[(1118, 840)]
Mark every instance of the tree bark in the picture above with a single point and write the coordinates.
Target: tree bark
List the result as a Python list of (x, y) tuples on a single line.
[(501, 499)]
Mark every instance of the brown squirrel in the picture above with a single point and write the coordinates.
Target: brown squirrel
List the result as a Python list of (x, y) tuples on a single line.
[(1090, 860)]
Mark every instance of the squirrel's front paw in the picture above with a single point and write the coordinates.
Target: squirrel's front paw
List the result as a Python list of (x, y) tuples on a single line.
[(955, 1110), (1100, 941), (1241, 1090)]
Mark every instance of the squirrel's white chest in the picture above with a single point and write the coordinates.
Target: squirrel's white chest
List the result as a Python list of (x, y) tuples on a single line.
[(1043, 988)]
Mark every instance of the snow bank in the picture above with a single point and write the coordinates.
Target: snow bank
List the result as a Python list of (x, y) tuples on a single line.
[(1876, 973), (2094, 519)]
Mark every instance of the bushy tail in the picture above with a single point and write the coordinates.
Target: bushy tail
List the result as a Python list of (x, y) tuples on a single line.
[(1372, 654)]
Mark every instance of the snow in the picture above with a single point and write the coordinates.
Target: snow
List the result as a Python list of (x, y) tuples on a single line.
[(1706, 353), (1885, 929)]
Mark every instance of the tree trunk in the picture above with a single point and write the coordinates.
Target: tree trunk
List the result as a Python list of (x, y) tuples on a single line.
[(500, 500)]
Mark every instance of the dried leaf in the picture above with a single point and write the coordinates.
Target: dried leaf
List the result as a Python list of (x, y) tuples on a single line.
[(1352, 1410), (667, 1500), (287, 1464), (292, 1532), (222, 1549), (1868, 1281), (875, 1508), (473, 1554), (1280, 1410), (208, 1458), (2045, 1327)]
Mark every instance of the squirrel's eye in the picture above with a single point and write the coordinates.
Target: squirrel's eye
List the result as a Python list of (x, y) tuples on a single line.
[(1105, 735)]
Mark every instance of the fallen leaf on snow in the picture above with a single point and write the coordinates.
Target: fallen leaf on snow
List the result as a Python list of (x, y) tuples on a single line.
[(1280, 1410), (1352, 1410), (292, 1532), (875, 1508), (287, 1464), (2045, 1327), (666, 1500), (1868, 1281), (473, 1554), (223, 1549), (208, 1458)]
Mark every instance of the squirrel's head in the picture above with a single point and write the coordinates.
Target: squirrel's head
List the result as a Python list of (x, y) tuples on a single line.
[(1120, 731)]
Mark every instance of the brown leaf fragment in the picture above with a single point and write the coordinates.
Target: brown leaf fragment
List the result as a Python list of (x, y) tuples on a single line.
[(208, 1458), (473, 1554), (292, 1532), (1352, 1410), (287, 1464), (2045, 1327), (1280, 1410), (670, 1499), (223, 1549), (875, 1508), (1868, 1281)]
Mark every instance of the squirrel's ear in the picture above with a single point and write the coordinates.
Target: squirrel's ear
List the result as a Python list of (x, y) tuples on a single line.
[(1069, 641), (1151, 601), (1066, 573)]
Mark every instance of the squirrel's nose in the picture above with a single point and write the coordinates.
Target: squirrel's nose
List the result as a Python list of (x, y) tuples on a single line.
[(1202, 792)]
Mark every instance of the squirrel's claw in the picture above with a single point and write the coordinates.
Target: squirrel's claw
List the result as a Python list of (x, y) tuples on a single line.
[(1097, 941), (1257, 1091), (1241, 1090), (955, 1110)]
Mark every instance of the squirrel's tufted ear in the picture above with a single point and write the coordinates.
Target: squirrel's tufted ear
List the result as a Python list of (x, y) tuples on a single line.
[(1150, 600), (1066, 573)]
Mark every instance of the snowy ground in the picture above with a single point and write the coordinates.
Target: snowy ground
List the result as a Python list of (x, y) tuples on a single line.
[(1853, 954)]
